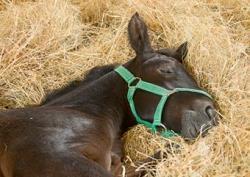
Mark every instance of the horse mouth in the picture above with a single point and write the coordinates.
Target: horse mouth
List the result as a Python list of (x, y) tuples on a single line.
[(194, 126)]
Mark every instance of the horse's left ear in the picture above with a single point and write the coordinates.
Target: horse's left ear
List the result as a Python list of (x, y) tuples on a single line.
[(181, 52), (138, 35)]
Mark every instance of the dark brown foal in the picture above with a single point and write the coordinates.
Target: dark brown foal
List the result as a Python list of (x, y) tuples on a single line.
[(76, 132)]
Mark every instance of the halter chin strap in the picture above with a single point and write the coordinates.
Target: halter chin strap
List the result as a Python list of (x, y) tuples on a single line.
[(137, 83)]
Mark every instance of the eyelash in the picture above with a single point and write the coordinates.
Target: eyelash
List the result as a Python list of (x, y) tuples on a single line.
[(166, 71)]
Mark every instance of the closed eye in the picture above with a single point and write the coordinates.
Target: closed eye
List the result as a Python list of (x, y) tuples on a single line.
[(166, 70)]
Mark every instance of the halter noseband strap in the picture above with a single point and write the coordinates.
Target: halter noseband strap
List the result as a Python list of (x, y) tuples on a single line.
[(155, 89)]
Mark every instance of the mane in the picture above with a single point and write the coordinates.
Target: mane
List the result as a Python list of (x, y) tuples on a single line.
[(91, 75)]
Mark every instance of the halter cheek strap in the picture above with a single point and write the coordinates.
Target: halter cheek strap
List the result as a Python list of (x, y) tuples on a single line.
[(155, 89)]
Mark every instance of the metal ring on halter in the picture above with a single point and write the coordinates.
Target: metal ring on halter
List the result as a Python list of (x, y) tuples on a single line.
[(161, 125), (138, 79)]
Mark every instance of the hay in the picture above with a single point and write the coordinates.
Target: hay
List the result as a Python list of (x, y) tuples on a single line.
[(35, 39), (45, 44)]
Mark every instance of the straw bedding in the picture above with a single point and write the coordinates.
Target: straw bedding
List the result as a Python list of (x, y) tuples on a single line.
[(45, 44)]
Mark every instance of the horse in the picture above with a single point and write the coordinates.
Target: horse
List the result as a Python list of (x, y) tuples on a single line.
[(76, 131)]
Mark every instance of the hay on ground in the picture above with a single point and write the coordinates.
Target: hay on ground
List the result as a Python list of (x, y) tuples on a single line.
[(45, 44)]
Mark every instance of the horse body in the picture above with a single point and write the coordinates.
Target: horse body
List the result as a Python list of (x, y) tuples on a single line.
[(55, 135), (76, 132)]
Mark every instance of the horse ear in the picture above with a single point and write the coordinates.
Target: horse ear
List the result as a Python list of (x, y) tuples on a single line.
[(181, 52), (138, 35)]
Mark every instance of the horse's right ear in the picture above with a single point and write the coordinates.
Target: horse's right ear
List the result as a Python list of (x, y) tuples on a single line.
[(138, 35)]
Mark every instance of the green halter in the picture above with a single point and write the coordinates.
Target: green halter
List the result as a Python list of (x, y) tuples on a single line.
[(155, 89)]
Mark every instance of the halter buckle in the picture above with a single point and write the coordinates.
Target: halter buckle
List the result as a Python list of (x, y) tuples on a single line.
[(134, 81)]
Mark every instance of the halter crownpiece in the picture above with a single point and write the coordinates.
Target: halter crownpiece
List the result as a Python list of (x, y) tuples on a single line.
[(155, 89)]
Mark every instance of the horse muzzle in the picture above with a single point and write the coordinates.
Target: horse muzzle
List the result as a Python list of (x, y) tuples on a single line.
[(199, 121)]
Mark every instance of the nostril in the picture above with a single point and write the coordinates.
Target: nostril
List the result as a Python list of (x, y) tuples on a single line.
[(210, 111)]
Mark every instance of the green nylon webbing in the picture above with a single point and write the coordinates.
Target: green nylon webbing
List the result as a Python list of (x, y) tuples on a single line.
[(125, 74), (158, 90)]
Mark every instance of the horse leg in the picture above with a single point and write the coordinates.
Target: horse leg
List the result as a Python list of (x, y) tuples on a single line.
[(59, 165), (116, 168), (130, 171), (116, 162), (116, 157)]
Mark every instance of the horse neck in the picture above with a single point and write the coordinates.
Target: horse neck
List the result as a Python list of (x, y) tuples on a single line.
[(104, 97)]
